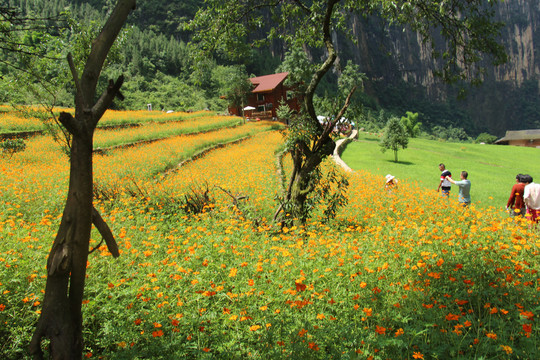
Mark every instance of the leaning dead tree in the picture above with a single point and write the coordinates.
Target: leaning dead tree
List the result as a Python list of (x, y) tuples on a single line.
[(61, 315)]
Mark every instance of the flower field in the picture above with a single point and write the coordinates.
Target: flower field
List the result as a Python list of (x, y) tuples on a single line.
[(393, 276), (13, 121)]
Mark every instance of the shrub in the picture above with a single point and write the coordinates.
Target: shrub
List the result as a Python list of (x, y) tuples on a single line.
[(486, 138), (12, 146)]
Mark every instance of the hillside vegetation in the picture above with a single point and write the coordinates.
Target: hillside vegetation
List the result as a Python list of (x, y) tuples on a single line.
[(204, 273), (159, 68)]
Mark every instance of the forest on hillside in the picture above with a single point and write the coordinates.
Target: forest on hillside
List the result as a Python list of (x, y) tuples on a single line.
[(154, 55)]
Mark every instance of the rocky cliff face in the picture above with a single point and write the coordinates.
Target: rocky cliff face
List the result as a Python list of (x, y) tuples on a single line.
[(522, 37), (508, 99)]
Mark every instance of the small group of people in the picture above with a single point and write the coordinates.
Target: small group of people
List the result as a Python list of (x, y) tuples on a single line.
[(524, 199), (464, 196)]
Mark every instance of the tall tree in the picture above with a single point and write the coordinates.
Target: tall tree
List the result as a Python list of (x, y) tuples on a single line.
[(61, 317), (230, 26), (395, 135)]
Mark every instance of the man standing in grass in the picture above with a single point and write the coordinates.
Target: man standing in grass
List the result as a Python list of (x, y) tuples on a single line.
[(444, 185), (531, 196), (464, 188)]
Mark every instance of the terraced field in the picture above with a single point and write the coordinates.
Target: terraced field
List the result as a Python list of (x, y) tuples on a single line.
[(397, 275)]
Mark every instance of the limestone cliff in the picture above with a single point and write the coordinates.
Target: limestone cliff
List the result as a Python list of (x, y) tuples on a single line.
[(508, 99)]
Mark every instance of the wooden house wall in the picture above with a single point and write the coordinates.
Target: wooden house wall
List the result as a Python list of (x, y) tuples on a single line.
[(525, 142), (270, 97)]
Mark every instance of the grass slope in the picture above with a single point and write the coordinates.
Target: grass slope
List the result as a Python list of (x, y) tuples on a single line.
[(492, 168)]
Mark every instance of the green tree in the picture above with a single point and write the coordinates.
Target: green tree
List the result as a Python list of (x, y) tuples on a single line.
[(233, 83), (300, 69), (411, 124), (394, 136), (227, 27)]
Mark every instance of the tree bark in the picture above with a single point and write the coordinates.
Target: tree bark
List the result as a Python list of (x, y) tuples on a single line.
[(61, 314)]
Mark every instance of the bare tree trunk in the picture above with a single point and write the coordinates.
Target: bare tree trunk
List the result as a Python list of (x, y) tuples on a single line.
[(61, 316)]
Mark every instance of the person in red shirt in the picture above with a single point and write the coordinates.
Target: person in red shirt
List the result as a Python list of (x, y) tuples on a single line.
[(515, 203)]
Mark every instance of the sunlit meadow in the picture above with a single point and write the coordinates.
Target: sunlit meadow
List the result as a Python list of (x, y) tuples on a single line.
[(24, 118), (393, 276)]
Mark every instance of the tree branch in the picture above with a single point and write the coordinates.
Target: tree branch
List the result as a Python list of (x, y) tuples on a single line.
[(75, 75), (310, 92), (332, 124), (101, 46), (105, 232), (106, 99), (69, 122)]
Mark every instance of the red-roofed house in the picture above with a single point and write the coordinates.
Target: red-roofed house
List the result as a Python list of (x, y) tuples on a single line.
[(266, 95)]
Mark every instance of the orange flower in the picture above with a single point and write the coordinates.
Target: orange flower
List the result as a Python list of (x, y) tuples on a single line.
[(380, 330), (368, 311), (451, 317), (417, 355), (254, 327), (233, 272), (157, 333), (491, 335), (313, 346), (527, 314), (300, 286), (302, 332), (2, 307)]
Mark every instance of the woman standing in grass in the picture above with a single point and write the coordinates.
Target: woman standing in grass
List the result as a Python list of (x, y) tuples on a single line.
[(515, 203)]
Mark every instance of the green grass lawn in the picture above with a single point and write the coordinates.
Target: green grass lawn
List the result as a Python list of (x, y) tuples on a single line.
[(492, 168)]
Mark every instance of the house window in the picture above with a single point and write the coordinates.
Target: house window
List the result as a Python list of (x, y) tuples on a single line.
[(260, 108), (260, 97), (269, 106)]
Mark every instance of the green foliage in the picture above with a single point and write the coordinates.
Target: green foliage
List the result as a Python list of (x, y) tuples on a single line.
[(284, 112), (233, 83), (166, 92), (411, 124), (449, 133), (198, 199), (486, 138), (12, 146), (394, 136), (332, 192), (300, 69)]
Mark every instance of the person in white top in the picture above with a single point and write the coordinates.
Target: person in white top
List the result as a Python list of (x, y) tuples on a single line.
[(531, 196)]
